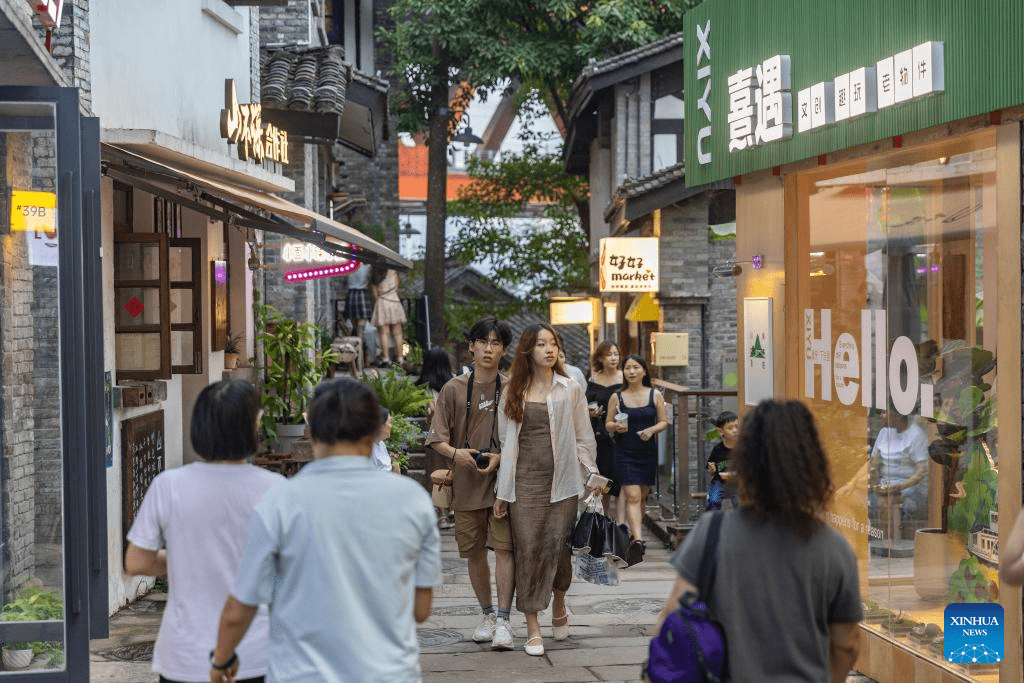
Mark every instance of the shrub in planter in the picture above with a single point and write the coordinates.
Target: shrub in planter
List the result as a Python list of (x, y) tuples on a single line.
[(35, 604)]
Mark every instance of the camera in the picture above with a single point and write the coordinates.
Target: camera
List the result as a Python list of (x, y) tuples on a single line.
[(482, 461)]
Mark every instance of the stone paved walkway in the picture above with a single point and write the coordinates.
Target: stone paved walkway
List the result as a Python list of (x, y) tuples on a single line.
[(608, 642)]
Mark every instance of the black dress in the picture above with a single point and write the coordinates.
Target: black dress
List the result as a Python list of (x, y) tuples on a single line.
[(636, 460), (599, 393)]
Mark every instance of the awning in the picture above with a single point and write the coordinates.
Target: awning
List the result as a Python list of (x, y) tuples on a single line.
[(247, 207)]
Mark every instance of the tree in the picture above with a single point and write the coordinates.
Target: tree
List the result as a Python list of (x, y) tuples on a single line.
[(441, 46)]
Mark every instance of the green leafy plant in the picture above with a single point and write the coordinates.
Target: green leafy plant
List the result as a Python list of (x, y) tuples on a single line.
[(403, 433), (970, 584), (965, 417), (33, 603), (397, 393), (233, 343), (294, 362)]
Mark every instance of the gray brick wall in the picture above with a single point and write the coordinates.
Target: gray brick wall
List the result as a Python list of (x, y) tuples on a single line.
[(17, 352), (286, 24), (70, 48)]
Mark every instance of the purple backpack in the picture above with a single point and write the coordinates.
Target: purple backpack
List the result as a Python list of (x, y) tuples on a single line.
[(690, 648)]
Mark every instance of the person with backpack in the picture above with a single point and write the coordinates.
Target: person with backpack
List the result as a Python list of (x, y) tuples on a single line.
[(793, 614)]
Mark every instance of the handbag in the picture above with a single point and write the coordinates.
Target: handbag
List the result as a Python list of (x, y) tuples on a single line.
[(591, 531), (599, 571), (691, 646), (441, 489)]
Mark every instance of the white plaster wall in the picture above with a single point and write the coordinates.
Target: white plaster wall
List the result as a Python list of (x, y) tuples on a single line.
[(161, 65)]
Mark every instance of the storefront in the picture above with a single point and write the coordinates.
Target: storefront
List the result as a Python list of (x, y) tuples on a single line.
[(876, 153)]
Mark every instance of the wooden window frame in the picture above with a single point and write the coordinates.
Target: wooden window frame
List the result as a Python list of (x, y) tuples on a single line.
[(196, 286), (164, 326)]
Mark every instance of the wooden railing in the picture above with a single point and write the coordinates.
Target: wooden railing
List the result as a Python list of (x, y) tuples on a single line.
[(687, 418)]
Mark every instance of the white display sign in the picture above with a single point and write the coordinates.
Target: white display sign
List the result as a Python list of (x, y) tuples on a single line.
[(760, 104), (907, 75), (629, 264), (758, 349)]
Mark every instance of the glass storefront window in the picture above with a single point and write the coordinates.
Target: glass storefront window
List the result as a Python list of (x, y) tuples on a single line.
[(897, 289)]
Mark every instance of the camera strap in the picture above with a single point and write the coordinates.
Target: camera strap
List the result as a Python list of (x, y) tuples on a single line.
[(469, 408)]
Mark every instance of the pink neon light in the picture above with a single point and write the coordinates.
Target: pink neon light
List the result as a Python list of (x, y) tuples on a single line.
[(316, 273)]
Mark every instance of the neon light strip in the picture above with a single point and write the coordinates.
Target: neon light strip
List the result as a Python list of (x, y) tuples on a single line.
[(317, 273)]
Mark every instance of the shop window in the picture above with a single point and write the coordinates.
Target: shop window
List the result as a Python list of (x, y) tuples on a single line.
[(898, 364)]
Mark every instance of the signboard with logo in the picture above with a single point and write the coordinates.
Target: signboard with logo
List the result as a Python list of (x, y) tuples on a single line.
[(777, 81), (758, 349), (48, 11), (629, 264), (242, 125)]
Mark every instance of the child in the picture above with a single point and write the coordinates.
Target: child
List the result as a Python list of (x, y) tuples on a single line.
[(380, 457), (728, 426)]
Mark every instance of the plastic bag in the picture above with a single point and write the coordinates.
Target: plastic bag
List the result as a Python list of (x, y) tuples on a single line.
[(596, 570)]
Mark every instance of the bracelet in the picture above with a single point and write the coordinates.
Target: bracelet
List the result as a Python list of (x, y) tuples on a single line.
[(226, 665)]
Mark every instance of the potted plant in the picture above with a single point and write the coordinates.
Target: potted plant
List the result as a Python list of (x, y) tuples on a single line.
[(407, 404), (965, 416), (32, 603), (293, 364), (232, 351)]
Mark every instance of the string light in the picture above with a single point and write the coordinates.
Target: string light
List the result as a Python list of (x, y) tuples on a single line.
[(321, 272)]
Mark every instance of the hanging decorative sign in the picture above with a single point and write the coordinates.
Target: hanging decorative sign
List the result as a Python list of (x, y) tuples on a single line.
[(304, 252), (242, 125), (48, 11), (629, 264)]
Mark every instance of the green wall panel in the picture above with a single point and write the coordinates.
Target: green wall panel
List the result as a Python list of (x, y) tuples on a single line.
[(983, 62)]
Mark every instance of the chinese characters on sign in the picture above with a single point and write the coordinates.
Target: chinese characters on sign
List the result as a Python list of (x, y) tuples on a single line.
[(629, 264), (242, 124), (760, 104), (760, 101), (304, 252)]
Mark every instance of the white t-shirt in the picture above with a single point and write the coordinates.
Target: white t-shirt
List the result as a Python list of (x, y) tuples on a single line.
[(380, 457), (901, 453), (200, 513)]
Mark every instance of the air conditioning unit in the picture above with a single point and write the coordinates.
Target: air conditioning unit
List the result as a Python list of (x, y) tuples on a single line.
[(670, 348)]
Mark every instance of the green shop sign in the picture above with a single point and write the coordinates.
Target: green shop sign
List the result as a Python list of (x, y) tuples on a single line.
[(769, 82)]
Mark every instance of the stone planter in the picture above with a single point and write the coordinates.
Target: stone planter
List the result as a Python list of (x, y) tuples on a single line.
[(16, 659), (287, 435), (936, 557)]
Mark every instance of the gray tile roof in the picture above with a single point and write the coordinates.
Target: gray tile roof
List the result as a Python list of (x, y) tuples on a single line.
[(305, 79), (634, 187), (631, 56)]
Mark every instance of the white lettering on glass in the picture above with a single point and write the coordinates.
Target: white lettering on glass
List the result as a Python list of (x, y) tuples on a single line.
[(844, 363)]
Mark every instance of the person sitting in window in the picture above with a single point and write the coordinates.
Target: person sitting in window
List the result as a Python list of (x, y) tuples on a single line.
[(899, 465)]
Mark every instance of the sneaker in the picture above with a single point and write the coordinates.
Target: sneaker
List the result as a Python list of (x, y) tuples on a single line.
[(502, 635), (485, 631)]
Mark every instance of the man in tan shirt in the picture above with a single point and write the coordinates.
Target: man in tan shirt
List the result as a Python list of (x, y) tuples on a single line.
[(464, 427)]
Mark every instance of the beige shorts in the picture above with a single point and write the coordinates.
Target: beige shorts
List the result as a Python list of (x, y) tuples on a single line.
[(476, 530)]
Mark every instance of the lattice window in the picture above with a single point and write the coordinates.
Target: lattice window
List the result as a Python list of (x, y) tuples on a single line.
[(142, 458)]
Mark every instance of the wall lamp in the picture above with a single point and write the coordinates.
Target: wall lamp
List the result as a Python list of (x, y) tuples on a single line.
[(733, 268), (466, 136)]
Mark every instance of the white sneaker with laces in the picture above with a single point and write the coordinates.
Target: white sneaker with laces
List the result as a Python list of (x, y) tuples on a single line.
[(485, 631), (502, 635)]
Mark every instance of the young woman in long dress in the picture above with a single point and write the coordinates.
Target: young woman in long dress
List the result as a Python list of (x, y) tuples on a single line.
[(547, 457)]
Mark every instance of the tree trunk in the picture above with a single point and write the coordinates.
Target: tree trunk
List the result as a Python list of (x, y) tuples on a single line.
[(437, 200)]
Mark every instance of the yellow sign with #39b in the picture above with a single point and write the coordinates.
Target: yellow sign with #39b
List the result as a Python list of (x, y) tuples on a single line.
[(34, 211)]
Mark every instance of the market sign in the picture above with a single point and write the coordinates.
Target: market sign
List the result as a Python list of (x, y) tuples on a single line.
[(242, 125), (629, 264), (34, 212), (788, 80)]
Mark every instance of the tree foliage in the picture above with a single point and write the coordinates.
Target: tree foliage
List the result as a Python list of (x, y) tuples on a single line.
[(542, 44), (550, 252)]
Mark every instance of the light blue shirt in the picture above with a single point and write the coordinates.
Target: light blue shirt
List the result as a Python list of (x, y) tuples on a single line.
[(337, 552)]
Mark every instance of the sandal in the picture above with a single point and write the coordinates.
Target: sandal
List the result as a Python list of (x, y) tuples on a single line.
[(534, 650), (560, 631)]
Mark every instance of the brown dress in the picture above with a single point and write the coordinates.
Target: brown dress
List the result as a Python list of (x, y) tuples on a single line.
[(540, 528)]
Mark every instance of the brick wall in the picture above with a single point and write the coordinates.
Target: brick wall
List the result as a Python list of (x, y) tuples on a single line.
[(70, 45), (286, 24), (17, 389)]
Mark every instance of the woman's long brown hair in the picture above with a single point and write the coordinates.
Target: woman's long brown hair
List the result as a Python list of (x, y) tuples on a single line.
[(522, 370), (780, 466)]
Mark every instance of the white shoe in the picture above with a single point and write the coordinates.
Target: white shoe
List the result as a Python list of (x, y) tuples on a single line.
[(536, 649), (485, 631), (502, 635)]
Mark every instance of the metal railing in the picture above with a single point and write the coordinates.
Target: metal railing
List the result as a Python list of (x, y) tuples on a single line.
[(681, 481)]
